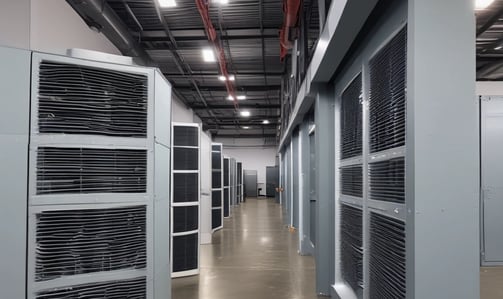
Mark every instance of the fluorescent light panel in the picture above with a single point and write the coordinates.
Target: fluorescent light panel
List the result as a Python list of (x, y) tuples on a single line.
[(208, 55), (241, 97), (482, 4), (245, 113), (167, 3), (265, 122), (245, 127), (230, 98)]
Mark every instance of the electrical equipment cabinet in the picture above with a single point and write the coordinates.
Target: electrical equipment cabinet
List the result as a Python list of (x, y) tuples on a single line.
[(90, 157), (217, 213), (185, 199), (233, 182), (239, 167), (227, 189)]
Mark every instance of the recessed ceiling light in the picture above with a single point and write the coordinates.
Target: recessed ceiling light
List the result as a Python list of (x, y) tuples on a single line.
[(245, 127), (241, 97), (222, 78), (265, 122), (482, 4), (167, 3), (208, 55), (232, 78), (498, 47), (230, 98), (245, 113)]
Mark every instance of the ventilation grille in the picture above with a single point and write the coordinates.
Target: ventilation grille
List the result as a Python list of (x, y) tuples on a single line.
[(226, 202), (185, 158), (216, 218), (239, 174), (119, 289), (185, 136), (185, 187), (216, 161), (387, 95), (76, 99), (216, 179), (185, 253), (352, 181), (216, 198), (226, 172), (351, 120), (71, 242), (351, 246), (217, 148), (185, 218), (84, 170), (387, 180), (387, 257)]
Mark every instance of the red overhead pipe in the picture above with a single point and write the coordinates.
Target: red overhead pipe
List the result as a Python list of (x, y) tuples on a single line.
[(290, 19), (203, 8)]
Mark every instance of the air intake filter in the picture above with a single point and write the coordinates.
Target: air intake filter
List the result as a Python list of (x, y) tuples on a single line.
[(351, 246), (217, 187), (387, 180), (185, 218), (185, 187), (185, 252), (351, 120), (387, 257), (352, 180)]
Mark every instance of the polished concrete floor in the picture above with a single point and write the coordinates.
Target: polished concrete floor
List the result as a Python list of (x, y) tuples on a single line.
[(253, 257), (491, 282)]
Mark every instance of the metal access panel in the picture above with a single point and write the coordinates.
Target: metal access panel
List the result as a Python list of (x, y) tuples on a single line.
[(250, 180), (233, 182), (227, 187), (492, 184), (217, 198), (272, 180), (239, 173)]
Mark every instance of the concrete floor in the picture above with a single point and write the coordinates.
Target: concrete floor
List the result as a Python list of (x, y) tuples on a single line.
[(491, 282), (253, 257)]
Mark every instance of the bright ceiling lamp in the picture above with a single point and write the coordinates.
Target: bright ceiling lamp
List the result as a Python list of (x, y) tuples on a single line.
[(265, 122), (241, 97), (482, 4), (208, 55), (223, 78), (222, 1), (230, 98), (232, 78), (167, 3), (245, 127), (245, 113)]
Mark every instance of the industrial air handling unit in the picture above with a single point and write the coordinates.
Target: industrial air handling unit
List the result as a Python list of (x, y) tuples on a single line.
[(85, 160), (217, 213)]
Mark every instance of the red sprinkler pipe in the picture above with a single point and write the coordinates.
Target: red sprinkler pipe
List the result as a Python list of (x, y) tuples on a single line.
[(290, 19)]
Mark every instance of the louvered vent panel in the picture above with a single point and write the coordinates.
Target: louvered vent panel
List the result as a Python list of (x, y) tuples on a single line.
[(71, 242), (185, 136), (216, 218), (118, 289), (387, 257), (216, 199), (226, 202), (185, 158), (216, 160), (185, 187), (239, 174), (352, 180), (226, 172), (387, 180), (216, 179), (185, 253), (351, 246), (387, 95), (85, 170), (185, 218), (76, 99), (216, 148), (351, 120)]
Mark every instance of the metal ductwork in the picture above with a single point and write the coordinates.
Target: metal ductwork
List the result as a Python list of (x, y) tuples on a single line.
[(100, 17)]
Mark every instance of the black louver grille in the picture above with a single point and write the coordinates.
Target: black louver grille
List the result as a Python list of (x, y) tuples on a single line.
[(185, 253), (387, 257), (216, 179), (216, 160), (185, 187), (351, 120), (226, 202), (216, 199), (226, 172), (118, 289), (352, 181), (387, 95), (239, 174), (71, 242), (351, 246), (216, 218), (216, 148), (76, 99), (85, 170), (185, 136), (185, 218), (185, 158), (387, 180)]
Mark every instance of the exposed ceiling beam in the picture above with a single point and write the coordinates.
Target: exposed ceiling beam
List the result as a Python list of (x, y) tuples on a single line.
[(238, 118), (490, 22), (241, 105), (216, 74), (183, 88), (244, 135), (199, 34)]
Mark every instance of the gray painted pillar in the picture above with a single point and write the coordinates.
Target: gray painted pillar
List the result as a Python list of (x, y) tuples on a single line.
[(295, 180), (305, 247), (325, 166), (442, 151)]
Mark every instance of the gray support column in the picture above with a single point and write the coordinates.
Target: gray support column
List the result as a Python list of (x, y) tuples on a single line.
[(295, 180), (442, 151), (325, 166), (305, 247)]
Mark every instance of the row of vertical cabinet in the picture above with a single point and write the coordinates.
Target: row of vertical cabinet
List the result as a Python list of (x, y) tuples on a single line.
[(187, 210)]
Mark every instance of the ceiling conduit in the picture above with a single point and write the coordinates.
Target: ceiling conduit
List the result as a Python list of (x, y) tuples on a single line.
[(290, 19)]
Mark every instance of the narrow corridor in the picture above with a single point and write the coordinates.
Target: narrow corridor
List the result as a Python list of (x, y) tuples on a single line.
[(253, 257)]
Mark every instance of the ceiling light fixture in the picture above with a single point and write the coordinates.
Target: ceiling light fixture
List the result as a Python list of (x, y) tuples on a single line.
[(222, 78), (245, 113), (482, 4), (208, 55), (232, 78), (167, 3), (223, 1), (241, 97), (265, 122), (498, 47), (245, 127), (230, 98)]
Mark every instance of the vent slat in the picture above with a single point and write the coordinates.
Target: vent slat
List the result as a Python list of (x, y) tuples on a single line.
[(185, 136), (387, 180), (351, 119), (185, 219), (85, 170), (185, 158), (387, 95), (387, 257), (75, 99), (216, 218), (71, 242), (185, 187), (216, 198), (352, 180), (185, 252), (118, 289), (226, 202), (351, 246)]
